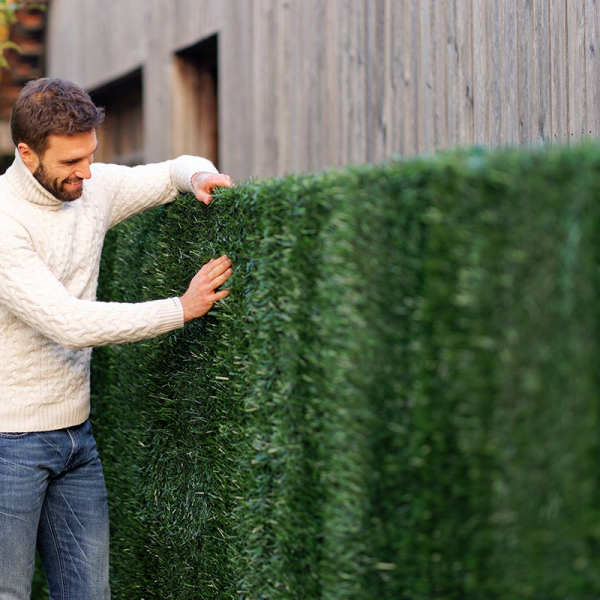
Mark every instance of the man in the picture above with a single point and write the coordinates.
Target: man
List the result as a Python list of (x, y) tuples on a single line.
[(55, 209)]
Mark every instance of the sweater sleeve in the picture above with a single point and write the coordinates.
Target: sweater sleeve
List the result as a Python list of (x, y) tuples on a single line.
[(131, 190), (34, 295)]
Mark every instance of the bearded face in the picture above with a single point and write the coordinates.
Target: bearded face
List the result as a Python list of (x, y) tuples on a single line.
[(64, 165), (66, 190)]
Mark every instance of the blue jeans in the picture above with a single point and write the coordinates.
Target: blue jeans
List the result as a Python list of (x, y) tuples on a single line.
[(53, 496)]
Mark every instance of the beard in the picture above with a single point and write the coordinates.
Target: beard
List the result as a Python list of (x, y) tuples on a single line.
[(55, 186)]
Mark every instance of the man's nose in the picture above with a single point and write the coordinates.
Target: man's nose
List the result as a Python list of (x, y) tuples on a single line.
[(83, 171)]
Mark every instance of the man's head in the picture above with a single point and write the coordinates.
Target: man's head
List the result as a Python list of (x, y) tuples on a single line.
[(53, 126)]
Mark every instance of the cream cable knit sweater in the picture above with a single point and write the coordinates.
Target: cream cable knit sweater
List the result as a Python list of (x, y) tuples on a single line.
[(49, 261)]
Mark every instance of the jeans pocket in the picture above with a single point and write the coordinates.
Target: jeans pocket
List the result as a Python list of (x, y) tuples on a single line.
[(14, 436)]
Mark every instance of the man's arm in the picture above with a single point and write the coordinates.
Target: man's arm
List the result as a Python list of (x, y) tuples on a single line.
[(35, 296), (131, 190)]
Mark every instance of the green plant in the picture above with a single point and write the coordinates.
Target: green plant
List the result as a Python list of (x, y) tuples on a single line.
[(8, 10)]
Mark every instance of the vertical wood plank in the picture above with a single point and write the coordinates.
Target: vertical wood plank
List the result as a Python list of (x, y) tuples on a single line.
[(541, 67), (425, 78), (524, 67), (333, 60), (344, 109), (236, 84), (61, 55), (464, 31), (414, 110), (375, 77), (592, 32), (314, 14), (460, 72), (288, 78), (510, 74), (259, 74), (387, 134), (481, 91), (357, 89), (156, 86), (577, 69), (408, 68), (399, 77), (265, 149), (347, 75), (373, 84), (495, 88), (101, 19), (452, 70), (559, 83), (438, 38), (281, 53)]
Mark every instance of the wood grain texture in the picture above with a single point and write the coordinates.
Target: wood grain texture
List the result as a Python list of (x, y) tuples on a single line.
[(592, 64), (307, 84), (453, 57), (541, 72), (400, 78), (577, 58), (439, 77), (413, 109), (464, 90), (524, 30), (559, 85), (481, 75), (495, 71), (426, 91)]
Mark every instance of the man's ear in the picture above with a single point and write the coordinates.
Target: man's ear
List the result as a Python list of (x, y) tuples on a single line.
[(28, 156)]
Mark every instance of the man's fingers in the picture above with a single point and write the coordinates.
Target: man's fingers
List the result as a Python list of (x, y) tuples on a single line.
[(204, 197), (220, 295), (204, 184), (221, 265), (221, 279), (222, 180), (216, 272), (219, 269), (207, 267)]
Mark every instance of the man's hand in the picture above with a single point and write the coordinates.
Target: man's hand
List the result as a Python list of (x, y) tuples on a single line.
[(203, 185), (201, 293)]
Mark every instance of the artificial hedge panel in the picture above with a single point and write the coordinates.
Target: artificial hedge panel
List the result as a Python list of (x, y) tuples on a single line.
[(120, 403), (397, 400)]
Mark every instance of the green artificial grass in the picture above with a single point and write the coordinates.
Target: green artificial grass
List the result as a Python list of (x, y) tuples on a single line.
[(399, 399)]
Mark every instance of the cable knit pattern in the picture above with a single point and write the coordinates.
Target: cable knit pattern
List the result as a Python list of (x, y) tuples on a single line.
[(49, 263)]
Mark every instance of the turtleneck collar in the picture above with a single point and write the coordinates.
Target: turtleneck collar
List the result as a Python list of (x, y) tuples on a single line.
[(27, 186)]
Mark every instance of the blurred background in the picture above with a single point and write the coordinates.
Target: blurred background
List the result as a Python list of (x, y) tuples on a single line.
[(268, 87)]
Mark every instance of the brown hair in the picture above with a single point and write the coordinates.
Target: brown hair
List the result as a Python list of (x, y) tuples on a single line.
[(48, 107)]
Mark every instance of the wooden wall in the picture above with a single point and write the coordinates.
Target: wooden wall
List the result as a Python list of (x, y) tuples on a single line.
[(306, 84)]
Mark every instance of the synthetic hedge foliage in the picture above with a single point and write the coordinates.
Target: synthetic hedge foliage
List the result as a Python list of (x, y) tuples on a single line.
[(399, 399)]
